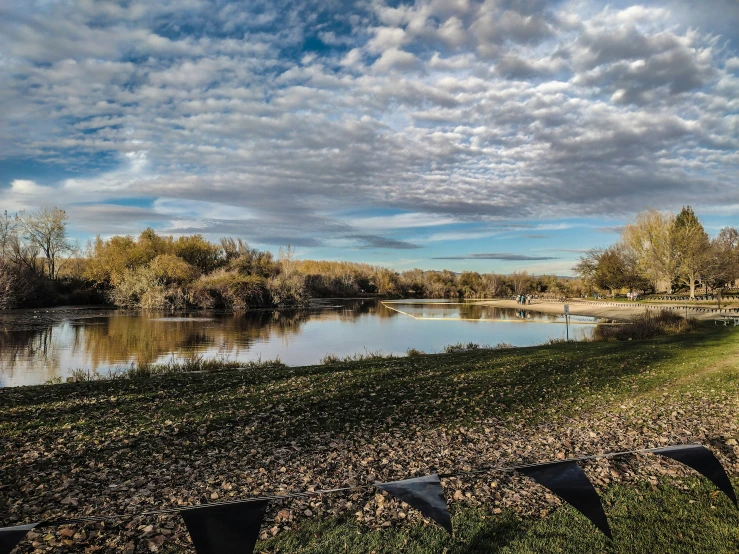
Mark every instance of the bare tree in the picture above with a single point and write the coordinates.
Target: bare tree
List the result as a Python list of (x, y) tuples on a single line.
[(587, 265), (286, 257), (8, 229), (490, 284), (520, 281), (46, 229), (649, 241), (24, 255), (233, 248)]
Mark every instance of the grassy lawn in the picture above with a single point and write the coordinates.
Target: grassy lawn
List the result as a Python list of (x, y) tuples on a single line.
[(643, 518), (119, 446)]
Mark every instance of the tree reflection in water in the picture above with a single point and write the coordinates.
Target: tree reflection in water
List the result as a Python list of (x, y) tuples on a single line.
[(36, 346), (52, 342)]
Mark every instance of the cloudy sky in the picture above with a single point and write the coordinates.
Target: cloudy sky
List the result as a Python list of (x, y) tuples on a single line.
[(496, 136)]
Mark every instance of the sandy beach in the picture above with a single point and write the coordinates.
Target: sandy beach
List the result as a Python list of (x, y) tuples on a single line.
[(610, 311)]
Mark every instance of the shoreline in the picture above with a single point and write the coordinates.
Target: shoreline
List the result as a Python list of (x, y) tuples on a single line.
[(609, 311)]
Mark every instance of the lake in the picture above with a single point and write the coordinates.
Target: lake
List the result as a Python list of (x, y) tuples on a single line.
[(40, 345)]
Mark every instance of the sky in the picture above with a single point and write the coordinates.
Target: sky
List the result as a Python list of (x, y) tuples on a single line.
[(496, 135)]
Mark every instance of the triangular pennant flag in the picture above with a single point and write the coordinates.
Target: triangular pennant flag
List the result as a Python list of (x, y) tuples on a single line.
[(11, 536), (568, 481), (704, 462), (425, 495), (225, 528)]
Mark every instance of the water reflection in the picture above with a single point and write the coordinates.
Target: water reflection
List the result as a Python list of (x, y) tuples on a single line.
[(38, 345), (480, 312)]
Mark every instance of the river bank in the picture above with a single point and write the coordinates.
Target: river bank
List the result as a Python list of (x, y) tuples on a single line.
[(128, 446)]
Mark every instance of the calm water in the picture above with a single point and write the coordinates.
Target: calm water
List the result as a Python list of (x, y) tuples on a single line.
[(38, 345)]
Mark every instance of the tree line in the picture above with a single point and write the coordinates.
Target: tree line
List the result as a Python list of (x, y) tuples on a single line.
[(33, 249), (40, 266), (664, 252)]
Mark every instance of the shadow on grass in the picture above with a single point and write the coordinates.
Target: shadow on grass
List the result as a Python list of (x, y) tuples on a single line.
[(678, 516), (428, 391), (475, 533)]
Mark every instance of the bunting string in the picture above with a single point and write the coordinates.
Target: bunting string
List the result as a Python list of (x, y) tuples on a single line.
[(304, 494), (232, 527)]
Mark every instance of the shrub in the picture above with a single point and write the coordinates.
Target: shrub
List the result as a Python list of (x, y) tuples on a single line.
[(325, 286), (173, 269), (132, 286), (263, 364), (139, 371), (82, 376), (646, 326), (250, 261), (198, 252), (412, 352), (145, 370), (230, 290), (461, 347), (72, 291), (368, 355), (20, 287), (330, 359), (288, 291)]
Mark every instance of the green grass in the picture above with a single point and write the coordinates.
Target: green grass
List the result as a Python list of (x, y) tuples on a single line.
[(643, 518)]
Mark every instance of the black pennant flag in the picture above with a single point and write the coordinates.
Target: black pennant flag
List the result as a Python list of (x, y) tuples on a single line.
[(568, 481), (704, 462), (225, 528), (11, 536), (425, 495)]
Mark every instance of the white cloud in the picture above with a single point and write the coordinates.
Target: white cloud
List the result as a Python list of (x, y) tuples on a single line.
[(451, 110), (395, 59), (199, 210), (401, 221), (387, 38)]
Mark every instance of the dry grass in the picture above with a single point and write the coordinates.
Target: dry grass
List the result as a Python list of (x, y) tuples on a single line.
[(646, 326)]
